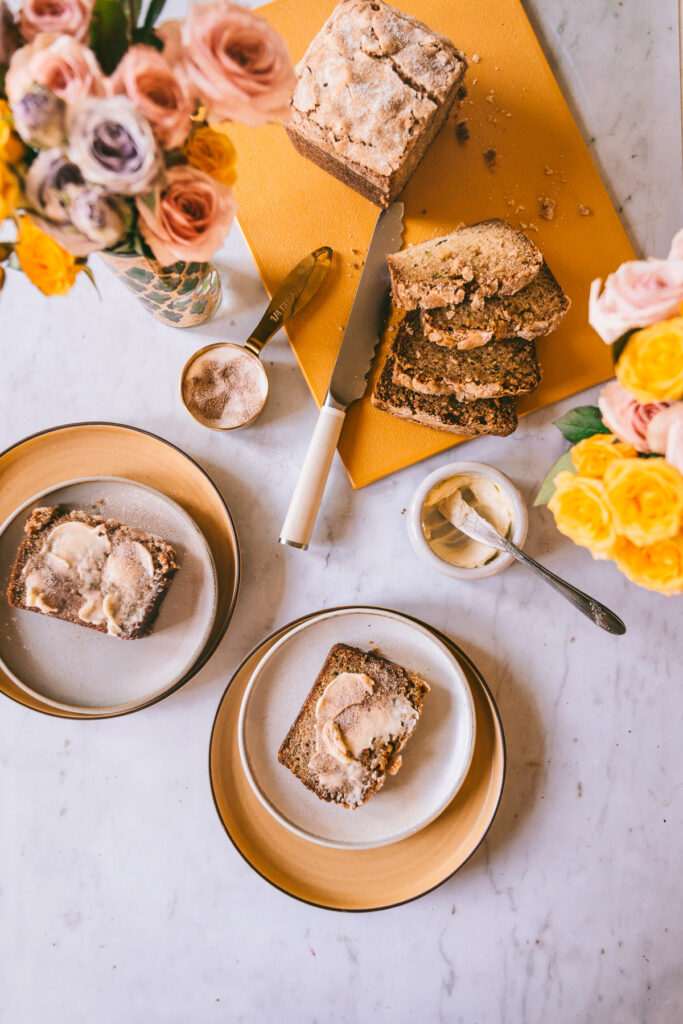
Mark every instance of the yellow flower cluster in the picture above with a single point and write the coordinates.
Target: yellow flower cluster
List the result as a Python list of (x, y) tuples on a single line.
[(11, 152), (626, 508), (651, 365), (211, 151), (49, 267)]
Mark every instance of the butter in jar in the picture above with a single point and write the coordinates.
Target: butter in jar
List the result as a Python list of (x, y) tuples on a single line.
[(446, 540)]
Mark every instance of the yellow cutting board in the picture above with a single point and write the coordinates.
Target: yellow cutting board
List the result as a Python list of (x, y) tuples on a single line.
[(513, 109)]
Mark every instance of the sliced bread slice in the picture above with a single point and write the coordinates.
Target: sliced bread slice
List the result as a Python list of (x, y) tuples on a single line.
[(530, 313), (443, 412), (91, 571), (359, 698), (471, 263), (499, 368)]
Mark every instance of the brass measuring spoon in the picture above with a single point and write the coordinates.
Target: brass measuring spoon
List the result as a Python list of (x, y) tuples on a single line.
[(224, 386)]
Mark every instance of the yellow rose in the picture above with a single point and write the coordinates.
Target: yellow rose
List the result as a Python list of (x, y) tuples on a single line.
[(656, 566), (212, 151), (49, 267), (651, 365), (11, 146), (646, 499), (593, 455), (581, 513), (10, 192)]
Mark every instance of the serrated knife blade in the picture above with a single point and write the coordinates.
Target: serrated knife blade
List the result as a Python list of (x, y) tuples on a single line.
[(348, 380), (366, 318)]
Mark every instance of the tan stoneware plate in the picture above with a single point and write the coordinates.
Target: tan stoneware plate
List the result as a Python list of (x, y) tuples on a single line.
[(356, 880), (80, 669), (43, 461)]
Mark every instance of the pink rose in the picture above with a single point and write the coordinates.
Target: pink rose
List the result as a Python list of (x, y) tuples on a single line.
[(676, 251), (65, 17), (638, 294), (665, 434), (58, 63), (237, 63), (192, 216), (160, 94), (626, 417), (169, 33)]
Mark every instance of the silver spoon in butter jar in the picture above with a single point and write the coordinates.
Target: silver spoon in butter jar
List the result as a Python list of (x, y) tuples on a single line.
[(224, 386)]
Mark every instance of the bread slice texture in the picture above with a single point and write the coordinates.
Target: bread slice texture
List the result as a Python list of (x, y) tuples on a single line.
[(93, 572), (470, 264), (373, 89), (493, 371), (443, 412), (532, 312), (390, 682)]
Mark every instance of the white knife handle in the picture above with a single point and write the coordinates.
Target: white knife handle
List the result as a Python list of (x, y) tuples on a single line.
[(308, 493)]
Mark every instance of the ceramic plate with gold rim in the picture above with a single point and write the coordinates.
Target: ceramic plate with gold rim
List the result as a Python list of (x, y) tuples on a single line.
[(76, 668), (356, 880), (43, 461), (435, 760)]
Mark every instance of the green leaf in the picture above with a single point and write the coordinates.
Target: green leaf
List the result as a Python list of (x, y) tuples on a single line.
[(620, 344), (149, 199), (548, 486), (109, 33), (153, 11), (148, 37), (584, 421)]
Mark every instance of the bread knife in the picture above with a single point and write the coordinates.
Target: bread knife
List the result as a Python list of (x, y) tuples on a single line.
[(349, 377)]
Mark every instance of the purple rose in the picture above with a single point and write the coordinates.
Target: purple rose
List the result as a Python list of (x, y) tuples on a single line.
[(113, 144), (81, 218), (39, 117)]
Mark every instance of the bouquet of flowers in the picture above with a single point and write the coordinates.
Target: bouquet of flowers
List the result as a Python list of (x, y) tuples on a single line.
[(619, 490), (111, 131)]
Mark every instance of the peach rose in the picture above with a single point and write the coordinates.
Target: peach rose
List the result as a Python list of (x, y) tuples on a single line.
[(626, 417), (169, 33), (638, 294), (665, 434), (237, 63), (192, 216), (161, 95), (65, 17), (58, 63)]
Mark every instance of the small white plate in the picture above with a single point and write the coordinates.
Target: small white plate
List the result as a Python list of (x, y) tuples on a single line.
[(435, 760), (72, 667)]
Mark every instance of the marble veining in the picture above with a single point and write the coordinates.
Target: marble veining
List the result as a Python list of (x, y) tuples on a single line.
[(121, 898)]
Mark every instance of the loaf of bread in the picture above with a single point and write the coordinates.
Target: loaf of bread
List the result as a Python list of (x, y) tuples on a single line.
[(353, 725), (91, 571), (471, 263), (373, 89), (492, 371)]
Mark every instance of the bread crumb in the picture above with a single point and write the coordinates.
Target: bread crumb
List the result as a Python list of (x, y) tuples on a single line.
[(546, 207), (489, 98), (356, 252), (462, 132), (520, 208), (533, 227), (490, 157), (585, 211), (548, 170), (476, 58), (462, 92), (510, 202)]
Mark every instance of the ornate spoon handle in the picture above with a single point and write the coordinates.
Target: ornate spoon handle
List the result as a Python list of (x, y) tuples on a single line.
[(595, 611)]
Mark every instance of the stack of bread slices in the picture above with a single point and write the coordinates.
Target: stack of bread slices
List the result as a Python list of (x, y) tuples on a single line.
[(464, 352)]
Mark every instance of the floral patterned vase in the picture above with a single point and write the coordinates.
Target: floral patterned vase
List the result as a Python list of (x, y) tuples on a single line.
[(182, 295)]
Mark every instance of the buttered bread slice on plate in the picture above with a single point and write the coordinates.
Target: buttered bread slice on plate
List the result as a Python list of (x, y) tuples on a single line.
[(91, 571), (352, 727)]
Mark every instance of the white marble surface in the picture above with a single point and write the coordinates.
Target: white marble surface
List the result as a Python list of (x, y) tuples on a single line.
[(121, 899)]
